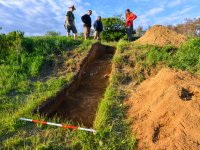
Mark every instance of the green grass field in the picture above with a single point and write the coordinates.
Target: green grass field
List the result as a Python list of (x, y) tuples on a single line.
[(35, 68)]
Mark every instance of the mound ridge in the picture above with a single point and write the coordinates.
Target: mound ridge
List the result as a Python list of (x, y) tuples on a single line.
[(165, 111), (160, 35)]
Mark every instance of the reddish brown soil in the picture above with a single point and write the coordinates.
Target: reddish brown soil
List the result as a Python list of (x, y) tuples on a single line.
[(165, 111), (161, 36), (81, 105)]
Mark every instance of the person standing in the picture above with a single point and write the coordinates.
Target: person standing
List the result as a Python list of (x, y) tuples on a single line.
[(98, 26), (130, 17), (87, 23), (70, 22)]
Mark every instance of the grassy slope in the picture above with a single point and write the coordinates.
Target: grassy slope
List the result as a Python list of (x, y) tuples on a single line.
[(113, 131), (131, 65), (24, 85)]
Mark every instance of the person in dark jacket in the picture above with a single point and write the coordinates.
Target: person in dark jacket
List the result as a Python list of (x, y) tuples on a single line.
[(87, 23), (98, 26)]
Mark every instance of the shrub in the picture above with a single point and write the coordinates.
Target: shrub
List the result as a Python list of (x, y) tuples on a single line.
[(188, 56), (53, 33), (112, 35), (114, 29)]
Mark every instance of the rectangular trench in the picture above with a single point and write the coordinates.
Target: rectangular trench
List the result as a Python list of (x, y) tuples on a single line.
[(78, 102)]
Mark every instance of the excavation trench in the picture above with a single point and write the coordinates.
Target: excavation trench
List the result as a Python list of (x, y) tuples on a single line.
[(78, 102)]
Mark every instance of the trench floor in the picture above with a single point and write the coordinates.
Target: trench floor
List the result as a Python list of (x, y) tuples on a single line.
[(81, 105)]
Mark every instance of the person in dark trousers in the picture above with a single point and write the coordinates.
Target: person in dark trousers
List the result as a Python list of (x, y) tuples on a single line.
[(87, 24), (70, 22), (130, 17), (98, 26)]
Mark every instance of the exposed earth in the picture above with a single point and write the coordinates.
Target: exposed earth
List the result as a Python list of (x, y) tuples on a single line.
[(78, 101), (81, 105), (161, 36), (165, 111)]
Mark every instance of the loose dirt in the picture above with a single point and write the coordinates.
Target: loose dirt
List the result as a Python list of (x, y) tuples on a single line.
[(165, 111), (161, 36)]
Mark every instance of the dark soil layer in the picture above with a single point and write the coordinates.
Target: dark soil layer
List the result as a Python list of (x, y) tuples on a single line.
[(81, 105), (79, 101)]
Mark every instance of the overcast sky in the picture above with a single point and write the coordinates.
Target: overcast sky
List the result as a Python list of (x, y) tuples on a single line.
[(36, 17)]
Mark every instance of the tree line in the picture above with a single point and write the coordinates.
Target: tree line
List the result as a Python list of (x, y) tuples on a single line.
[(190, 27), (114, 28)]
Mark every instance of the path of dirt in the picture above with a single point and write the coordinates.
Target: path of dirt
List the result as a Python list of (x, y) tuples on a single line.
[(165, 111)]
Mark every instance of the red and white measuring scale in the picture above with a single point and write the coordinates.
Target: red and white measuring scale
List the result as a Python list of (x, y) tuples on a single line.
[(57, 125)]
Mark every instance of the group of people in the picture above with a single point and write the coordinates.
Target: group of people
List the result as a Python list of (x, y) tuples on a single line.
[(98, 26)]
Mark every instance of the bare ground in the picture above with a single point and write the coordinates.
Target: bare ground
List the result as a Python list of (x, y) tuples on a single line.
[(78, 101), (161, 36), (81, 105), (165, 111)]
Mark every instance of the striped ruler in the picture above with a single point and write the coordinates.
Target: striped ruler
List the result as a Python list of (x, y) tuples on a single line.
[(57, 125)]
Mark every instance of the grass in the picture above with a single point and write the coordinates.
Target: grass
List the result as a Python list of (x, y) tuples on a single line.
[(187, 57), (142, 61), (111, 124), (132, 65), (24, 84), (113, 130), (35, 68)]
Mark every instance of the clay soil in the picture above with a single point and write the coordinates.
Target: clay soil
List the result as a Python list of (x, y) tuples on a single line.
[(80, 105), (165, 111), (161, 36)]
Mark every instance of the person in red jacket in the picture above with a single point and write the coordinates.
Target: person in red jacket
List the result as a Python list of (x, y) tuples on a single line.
[(130, 17)]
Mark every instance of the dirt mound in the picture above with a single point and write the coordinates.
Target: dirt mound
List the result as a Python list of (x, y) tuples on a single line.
[(165, 111), (161, 36)]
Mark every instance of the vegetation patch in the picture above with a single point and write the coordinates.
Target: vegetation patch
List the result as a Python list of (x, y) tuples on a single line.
[(114, 28), (24, 85)]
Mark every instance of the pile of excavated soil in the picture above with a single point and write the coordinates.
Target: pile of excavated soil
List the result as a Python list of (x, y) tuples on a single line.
[(165, 111), (161, 36)]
